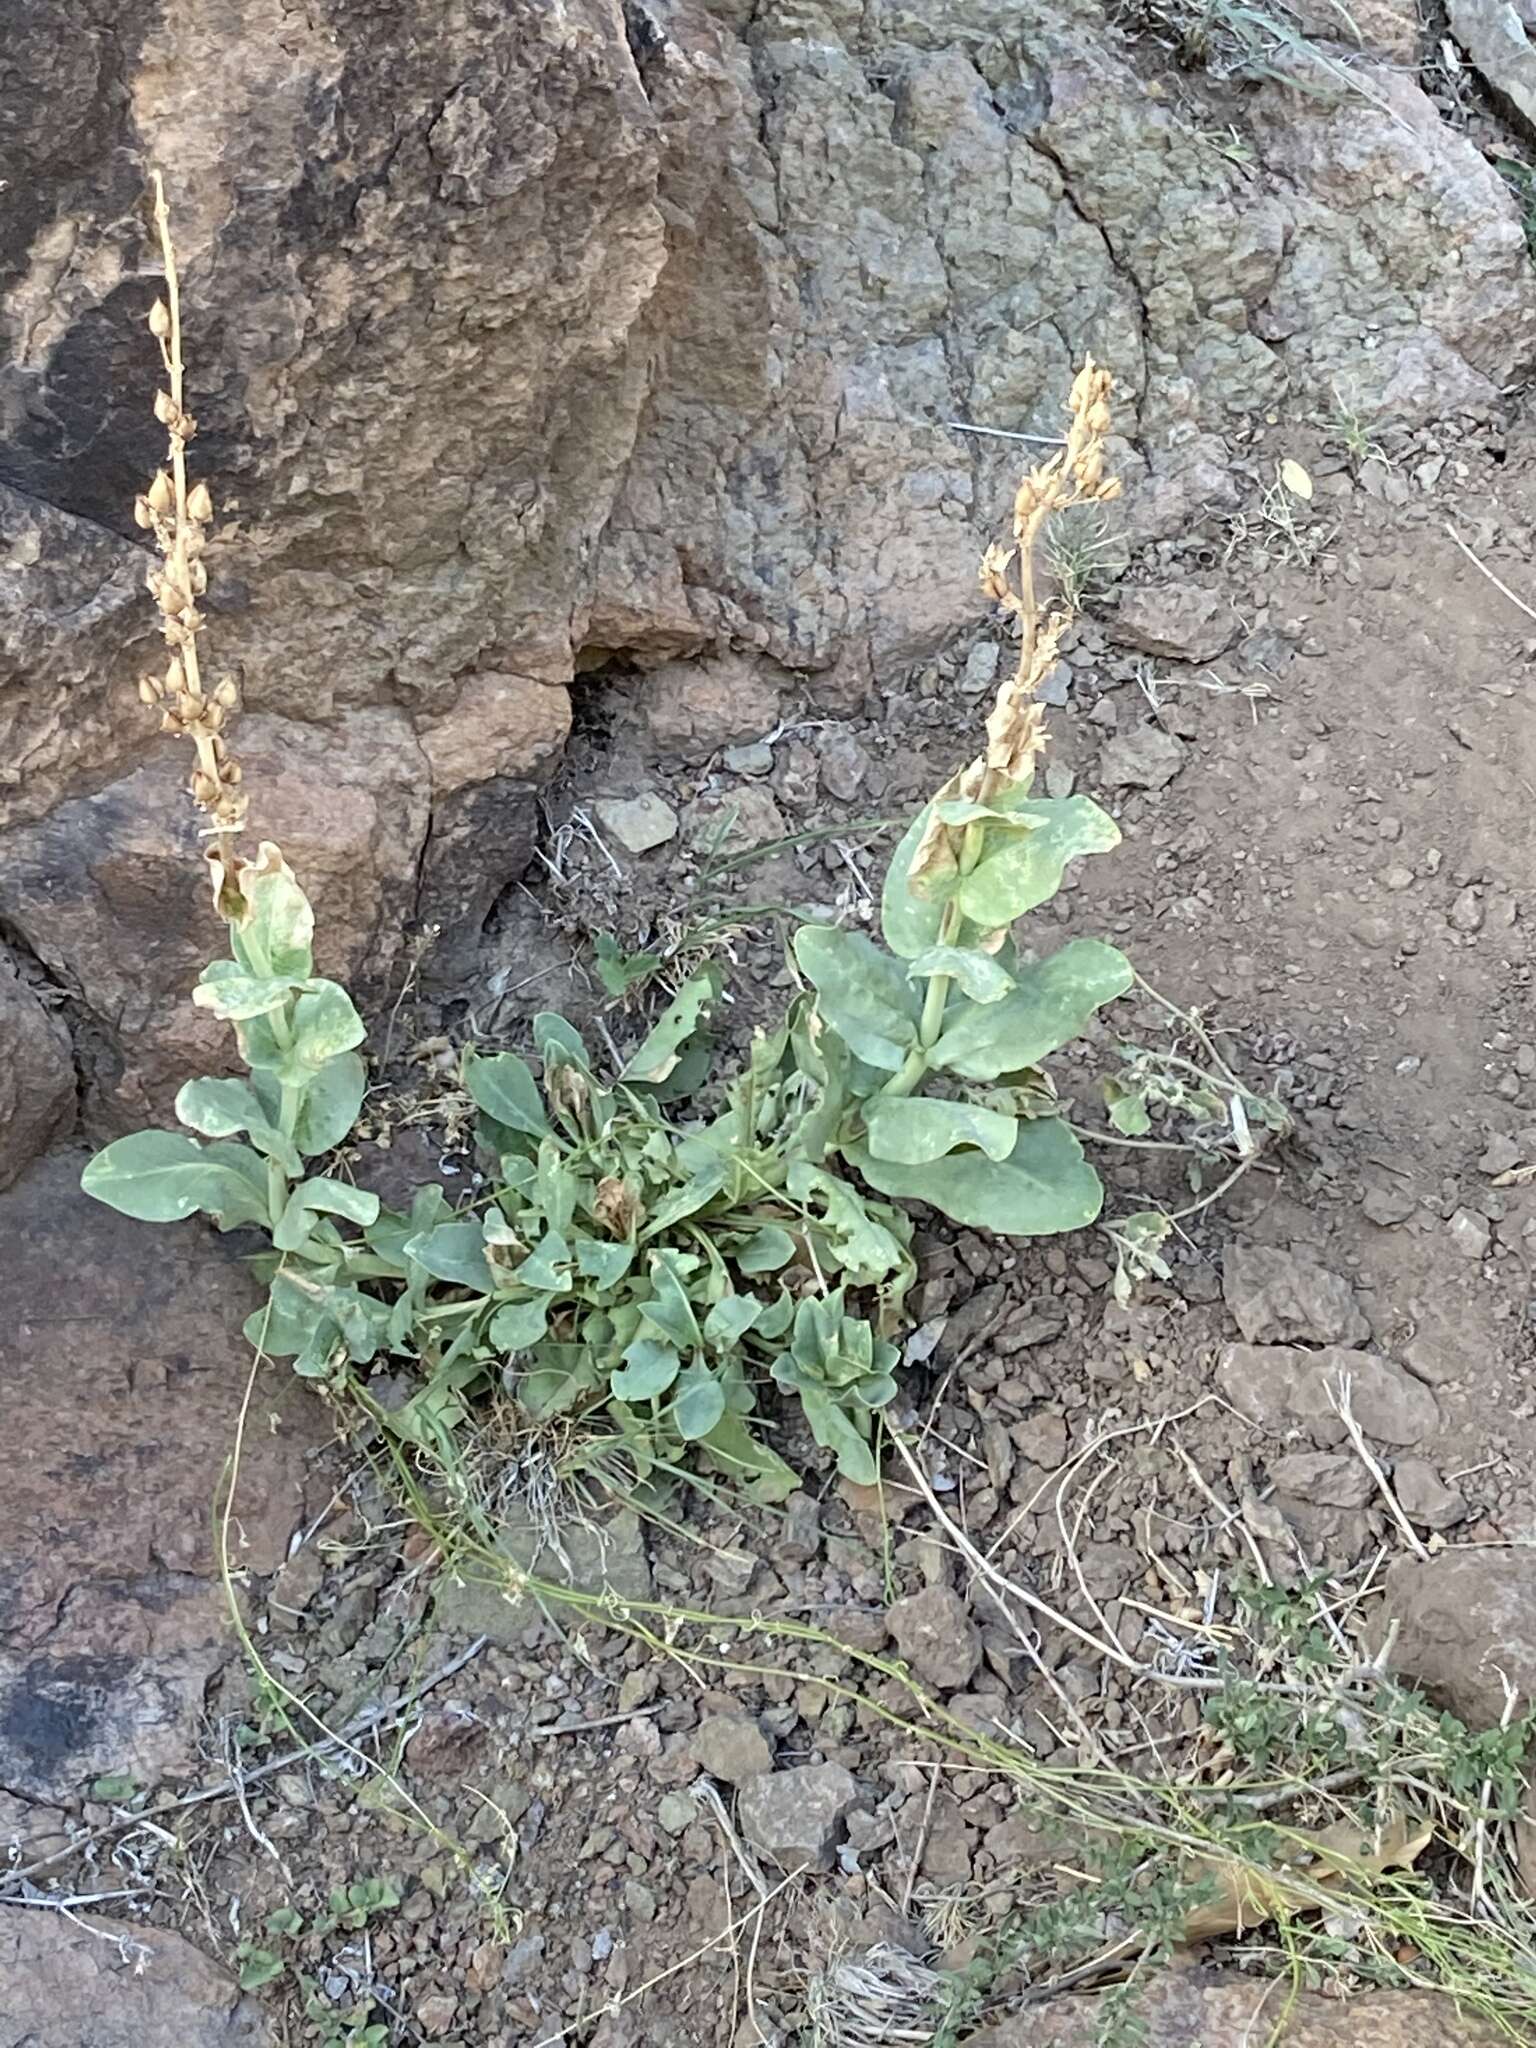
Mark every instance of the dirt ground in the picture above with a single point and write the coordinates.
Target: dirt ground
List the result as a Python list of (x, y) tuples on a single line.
[(1337, 871)]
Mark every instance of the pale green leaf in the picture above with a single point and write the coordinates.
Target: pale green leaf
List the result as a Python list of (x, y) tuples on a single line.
[(648, 1370), (742, 1457), (454, 1252), (321, 1195), (766, 1250), (911, 1130), (664, 1043), (981, 977), (519, 1324), (861, 991), (833, 1428), (1050, 1006), (729, 1321), (671, 1312), (909, 922), (603, 1260), (699, 1403), (233, 995), (220, 1109), (329, 1104), (1045, 1185), (1026, 868), (163, 1176), (547, 1266), (504, 1087)]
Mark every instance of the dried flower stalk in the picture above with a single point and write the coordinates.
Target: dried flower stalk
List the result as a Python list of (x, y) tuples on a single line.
[(1016, 733), (179, 518)]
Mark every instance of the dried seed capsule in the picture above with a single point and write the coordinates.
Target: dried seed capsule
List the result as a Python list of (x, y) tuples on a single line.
[(149, 690), (204, 788), (199, 504), (167, 411), (160, 320), (175, 674), (227, 694), (143, 515), (169, 598), (231, 772), (199, 578), (161, 493)]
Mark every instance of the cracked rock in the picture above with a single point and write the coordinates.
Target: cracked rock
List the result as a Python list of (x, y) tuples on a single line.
[(1147, 758), (1424, 1496), (37, 1075), (1462, 1619), (1179, 621), (796, 1816), (1280, 1297), (1286, 1392), (1322, 1478), (937, 1637)]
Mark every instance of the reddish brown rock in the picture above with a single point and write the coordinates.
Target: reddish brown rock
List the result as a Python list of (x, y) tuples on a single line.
[(125, 1369), (87, 1982)]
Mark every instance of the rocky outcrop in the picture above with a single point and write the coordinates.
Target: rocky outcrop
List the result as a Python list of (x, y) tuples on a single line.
[(530, 340), (79, 1981), (124, 1368)]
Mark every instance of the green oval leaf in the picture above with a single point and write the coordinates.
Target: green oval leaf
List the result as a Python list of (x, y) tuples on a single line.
[(329, 1105), (230, 993), (1025, 869), (648, 1370), (665, 1043), (766, 1250), (519, 1324), (164, 1176), (700, 1403), (909, 922), (1052, 1002), (504, 1087), (454, 1252), (912, 1130), (1044, 1186), (861, 991), (220, 1109)]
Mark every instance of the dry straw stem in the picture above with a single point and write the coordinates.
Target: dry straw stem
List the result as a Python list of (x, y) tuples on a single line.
[(1074, 475), (179, 517)]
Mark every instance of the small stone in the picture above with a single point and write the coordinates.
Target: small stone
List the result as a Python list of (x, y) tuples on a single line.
[(1179, 620), (799, 1536), (1397, 878), (1470, 1234), (1322, 1478), (1467, 911), (732, 1748), (981, 666), (844, 766), (796, 1816), (1147, 758), (676, 1811), (755, 758), (1424, 1496), (638, 823), (1281, 1297), (436, 2014), (1042, 1439), (1387, 1204), (937, 1637), (1499, 1155), (1060, 780)]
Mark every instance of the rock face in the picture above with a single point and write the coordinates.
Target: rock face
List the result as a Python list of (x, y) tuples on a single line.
[(124, 1367), (93, 1983), (37, 1074), (529, 340), (1463, 1618), (1280, 1297), (1221, 2009)]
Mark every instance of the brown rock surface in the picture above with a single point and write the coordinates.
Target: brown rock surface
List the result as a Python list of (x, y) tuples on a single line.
[(1199, 2009), (124, 1366), (37, 1074), (86, 1982), (1463, 1618)]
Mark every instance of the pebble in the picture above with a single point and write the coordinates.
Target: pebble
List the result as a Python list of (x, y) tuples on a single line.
[(1469, 1233), (1500, 1154), (638, 822), (1424, 1496), (732, 1748), (937, 1637), (754, 758), (844, 765), (1467, 911), (1387, 1205)]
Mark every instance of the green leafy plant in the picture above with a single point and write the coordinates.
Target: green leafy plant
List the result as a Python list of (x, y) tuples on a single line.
[(649, 1251)]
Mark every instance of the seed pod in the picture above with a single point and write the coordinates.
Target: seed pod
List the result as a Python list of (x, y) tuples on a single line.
[(143, 515), (231, 772), (169, 722), (227, 694), (199, 578), (204, 788), (160, 320), (175, 674), (188, 706), (199, 504), (167, 412), (149, 690), (161, 494), (169, 598)]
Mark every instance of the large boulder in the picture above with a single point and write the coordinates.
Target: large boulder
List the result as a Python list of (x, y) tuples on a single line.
[(527, 341), (125, 1371), (79, 1981)]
